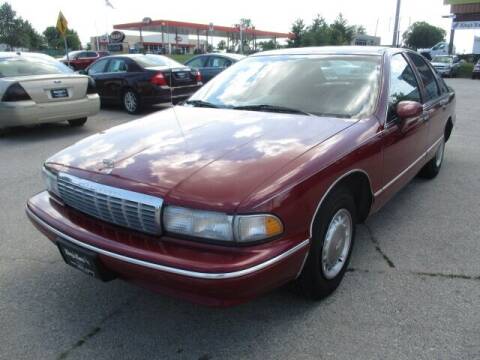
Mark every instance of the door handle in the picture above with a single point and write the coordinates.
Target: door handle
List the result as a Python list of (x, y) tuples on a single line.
[(444, 103), (425, 116)]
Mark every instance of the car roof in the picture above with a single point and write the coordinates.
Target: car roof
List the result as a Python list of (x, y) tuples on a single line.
[(329, 50), (9, 54), (232, 56)]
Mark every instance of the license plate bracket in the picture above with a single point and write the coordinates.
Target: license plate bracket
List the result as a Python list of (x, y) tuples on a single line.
[(84, 260), (59, 93)]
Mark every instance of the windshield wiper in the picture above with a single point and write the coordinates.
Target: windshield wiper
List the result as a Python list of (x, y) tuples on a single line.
[(271, 108), (201, 103)]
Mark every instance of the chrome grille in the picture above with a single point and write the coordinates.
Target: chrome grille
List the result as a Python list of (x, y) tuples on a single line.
[(121, 207)]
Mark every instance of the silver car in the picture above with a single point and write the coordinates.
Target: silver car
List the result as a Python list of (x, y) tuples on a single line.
[(36, 88)]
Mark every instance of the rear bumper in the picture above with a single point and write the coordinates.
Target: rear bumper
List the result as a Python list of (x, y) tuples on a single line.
[(29, 112), (205, 274), (162, 95)]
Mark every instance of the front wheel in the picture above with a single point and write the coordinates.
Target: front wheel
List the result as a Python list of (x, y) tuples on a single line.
[(331, 245), (432, 168), (131, 101), (77, 122)]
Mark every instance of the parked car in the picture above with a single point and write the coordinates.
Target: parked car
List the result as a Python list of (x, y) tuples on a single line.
[(210, 65), (256, 181), (79, 60), (36, 88), (137, 80), (476, 71), (438, 49), (447, 65)]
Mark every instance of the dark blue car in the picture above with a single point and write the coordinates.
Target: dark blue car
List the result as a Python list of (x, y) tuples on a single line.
[(210, 65)]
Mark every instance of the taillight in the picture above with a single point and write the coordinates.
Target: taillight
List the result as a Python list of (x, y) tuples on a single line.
[(198, 76), (16, 93), (158, 79), (92, 87)]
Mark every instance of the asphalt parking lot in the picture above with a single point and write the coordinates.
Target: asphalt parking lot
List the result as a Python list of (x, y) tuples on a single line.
[(413, 289)]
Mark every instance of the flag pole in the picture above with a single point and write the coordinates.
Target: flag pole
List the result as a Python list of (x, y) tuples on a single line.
[(66, 48)]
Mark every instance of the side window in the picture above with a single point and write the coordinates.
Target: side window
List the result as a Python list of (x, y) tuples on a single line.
[(428, 78), (91, 54), (198, 62), (82, 54), (218, 62), (403, 84), (97, 67), (117, 65)]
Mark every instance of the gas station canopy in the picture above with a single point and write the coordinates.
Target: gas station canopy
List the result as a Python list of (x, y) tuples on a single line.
[(187, 28)]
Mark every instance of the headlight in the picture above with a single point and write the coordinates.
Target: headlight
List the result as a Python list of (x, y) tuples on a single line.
[(219, 226), (50, 179)]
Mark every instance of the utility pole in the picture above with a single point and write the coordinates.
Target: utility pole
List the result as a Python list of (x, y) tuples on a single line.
[(395, 29)]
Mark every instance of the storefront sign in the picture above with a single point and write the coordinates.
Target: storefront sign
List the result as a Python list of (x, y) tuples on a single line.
[(117, 37), (465, 25)]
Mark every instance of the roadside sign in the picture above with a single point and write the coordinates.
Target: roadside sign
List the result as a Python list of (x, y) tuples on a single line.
[(460, 2), (465, 25), (62, 24)]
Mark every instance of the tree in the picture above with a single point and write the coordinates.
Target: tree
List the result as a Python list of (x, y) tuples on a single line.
[(16, 32), (268, 45), (221, 45), (298, 31), (423, 35), (320, 33), (55, 40)]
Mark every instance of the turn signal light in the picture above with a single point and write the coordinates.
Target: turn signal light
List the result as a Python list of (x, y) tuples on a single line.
[(16, 93), (159, 80)]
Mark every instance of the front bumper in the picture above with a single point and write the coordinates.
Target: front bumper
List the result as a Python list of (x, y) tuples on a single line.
[(20, 113), (206, 274), (444, 71)]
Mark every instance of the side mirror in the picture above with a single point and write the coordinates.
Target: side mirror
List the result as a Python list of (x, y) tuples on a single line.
[(409, 109)]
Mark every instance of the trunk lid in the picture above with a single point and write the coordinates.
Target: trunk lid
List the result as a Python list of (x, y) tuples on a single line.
[(54, 88)]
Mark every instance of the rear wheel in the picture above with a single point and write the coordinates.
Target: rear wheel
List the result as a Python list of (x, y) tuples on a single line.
[(331, 247), (131, 101), (77, 122), (432, 168)]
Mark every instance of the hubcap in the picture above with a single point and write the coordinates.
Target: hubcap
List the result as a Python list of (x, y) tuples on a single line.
[(130, 101), (439, 154), (337, 243)]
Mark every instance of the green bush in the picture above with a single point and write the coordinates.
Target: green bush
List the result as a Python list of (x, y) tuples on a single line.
[(465, 70), (180, 58)]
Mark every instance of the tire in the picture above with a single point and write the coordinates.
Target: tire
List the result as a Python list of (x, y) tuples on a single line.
[(77, 122), (318, 279), (131, 101), (432, 168)]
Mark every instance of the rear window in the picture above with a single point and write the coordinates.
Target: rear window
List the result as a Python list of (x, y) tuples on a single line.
[(155, 60), (24, 66)]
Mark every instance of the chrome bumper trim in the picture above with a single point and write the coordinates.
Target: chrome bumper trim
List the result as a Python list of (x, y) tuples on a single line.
[(168, 269)]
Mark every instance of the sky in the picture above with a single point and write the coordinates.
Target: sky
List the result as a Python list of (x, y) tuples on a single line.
[(90, 17)]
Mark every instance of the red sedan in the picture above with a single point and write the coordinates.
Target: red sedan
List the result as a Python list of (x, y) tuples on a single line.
[(80, 60), (256, 181)]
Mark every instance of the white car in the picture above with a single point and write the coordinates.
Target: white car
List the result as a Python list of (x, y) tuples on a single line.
[(36, 88)]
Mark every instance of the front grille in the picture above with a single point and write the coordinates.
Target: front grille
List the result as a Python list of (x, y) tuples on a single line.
[(121, 207)]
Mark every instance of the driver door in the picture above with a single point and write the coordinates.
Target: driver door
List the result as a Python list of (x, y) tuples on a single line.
[(403, 140)]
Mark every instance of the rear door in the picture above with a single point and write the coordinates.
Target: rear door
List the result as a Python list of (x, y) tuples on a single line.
[(435, 101), (403, 146), (214, 66), (114, 77)]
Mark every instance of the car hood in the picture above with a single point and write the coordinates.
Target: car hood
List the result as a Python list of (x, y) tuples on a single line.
[(212, 158)]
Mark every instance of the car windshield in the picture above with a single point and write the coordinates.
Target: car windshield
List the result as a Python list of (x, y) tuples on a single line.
[(151, 60), (26, 66), (342, 86), (442, 59)]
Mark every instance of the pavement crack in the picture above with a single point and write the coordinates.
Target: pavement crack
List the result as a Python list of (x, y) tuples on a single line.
[(95, 330), (375, 242), (418, 273)]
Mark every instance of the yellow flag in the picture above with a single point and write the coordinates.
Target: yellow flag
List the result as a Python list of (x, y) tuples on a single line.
[(62, 24)]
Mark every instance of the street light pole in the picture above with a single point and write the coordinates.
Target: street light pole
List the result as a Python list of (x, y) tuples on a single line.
[(395, 29)]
